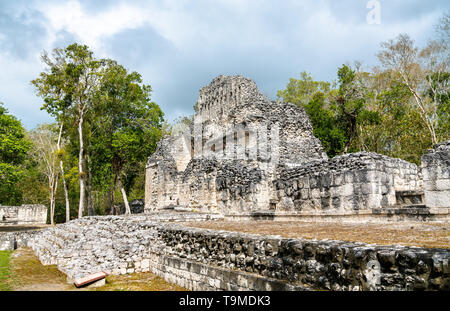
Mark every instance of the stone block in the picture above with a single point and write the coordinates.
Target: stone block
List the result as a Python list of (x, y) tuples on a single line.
[(145, 264), (437, 199), (347, 190)]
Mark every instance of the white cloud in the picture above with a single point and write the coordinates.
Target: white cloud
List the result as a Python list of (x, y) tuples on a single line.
[(91, 29), (271, 40)]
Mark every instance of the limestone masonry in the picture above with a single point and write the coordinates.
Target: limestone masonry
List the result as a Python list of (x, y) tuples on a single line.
[(245, 156), (23, 215), (200, 259)]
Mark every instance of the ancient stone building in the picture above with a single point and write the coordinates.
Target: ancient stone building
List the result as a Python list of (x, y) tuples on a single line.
[(31, 214), (244, 155)]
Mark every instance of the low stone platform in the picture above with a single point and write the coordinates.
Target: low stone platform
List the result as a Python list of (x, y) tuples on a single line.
[(12, 237), (202, 259)]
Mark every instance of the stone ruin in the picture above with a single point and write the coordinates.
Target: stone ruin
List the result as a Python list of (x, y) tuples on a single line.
[(246, 156), (31, 214)]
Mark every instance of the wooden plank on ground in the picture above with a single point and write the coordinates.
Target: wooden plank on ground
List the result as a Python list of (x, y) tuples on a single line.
[(90, 279)]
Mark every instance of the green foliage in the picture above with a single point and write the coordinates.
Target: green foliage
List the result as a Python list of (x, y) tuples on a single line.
[(301, 91), (334, 113), (13, 150), (325, 125), (121, 125), (352, 111), (130, 126), (440, 81), (4, 270)]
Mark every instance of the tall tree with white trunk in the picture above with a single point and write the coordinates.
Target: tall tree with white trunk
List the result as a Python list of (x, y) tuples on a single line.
[(44, 151), (68, 86)]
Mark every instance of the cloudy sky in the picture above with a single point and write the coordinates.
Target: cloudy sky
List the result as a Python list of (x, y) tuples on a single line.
[(180, 46)]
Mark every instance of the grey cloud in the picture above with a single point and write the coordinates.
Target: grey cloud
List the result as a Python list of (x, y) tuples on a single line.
[(268, 41)]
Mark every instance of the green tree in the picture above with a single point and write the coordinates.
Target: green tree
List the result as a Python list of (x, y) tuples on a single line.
[(301, 91), (424, 72), (325, 125), (351, 105), (45, 152), (335, 114), (69, 86), (130, 127), (13, 150)]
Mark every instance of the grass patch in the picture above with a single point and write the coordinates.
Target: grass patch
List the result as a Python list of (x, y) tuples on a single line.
[(27, 273), (137, 282), (4, 270)]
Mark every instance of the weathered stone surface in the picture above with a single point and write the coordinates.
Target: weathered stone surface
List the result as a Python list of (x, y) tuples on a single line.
[(13, 240), (23, 215), (202, 259), (233, 114), (193, 168), (436, 176)]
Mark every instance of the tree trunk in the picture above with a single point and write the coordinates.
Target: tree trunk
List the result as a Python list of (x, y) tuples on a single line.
[(90, 206), (111, 200), (53, 188), (51, 208), (61, 167), (80, 168), (66, 192), (124, 195)]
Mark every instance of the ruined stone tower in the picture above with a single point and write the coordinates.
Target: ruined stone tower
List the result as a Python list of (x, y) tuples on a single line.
[(225, 162), (243, 155)]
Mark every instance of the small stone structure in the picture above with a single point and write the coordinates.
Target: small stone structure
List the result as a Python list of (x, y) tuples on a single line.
[(436, 176), (32, 214), (12, 240), (245, 156), (200, 259)]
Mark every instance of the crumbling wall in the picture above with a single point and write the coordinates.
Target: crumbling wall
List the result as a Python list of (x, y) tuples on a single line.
[(224, 186), (23, 215), (239, 131), (351, 182), (436, 176), (202, 259), (245, 154), (161, 177), (12, 240)]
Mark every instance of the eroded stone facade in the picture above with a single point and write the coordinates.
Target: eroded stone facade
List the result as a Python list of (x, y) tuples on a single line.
[(245, 155), (436, 175), (31, 214), (200, 259)]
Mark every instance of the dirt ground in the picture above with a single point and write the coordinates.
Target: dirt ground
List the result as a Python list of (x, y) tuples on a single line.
[(429, 235), (28, 274)]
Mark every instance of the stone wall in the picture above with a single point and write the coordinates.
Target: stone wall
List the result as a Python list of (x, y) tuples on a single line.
[(206, 259), (436, 176), (13, 240), (23, 215), (278, 167), (237, 134), (7, 241), (351, 182)]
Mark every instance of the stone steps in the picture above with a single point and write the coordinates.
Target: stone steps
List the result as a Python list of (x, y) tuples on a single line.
[(409, 198)]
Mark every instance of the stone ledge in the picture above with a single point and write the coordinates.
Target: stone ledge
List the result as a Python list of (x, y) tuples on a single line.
[(122, 245)]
